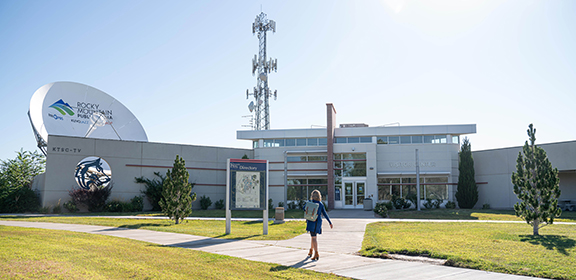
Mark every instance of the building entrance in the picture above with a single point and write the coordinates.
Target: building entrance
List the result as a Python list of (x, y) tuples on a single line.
[(354, 191)]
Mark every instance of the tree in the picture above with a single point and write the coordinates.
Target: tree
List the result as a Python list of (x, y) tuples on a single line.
[(536, 184), (21, 171), (16, 176), (467, 193), (177, 195)]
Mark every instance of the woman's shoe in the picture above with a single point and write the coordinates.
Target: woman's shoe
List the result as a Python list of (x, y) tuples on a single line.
[(316, 257), (310, 252)]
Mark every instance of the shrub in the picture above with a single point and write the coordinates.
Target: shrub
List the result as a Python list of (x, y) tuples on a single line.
[(137, 203), (432, 203), (58, 208), (18, 200), (291, 205), (205, 202), (219, 204), (412, 198), (70, 206), (400, 202), (486, 206), (153, 189), (280, 204), (381, 209), (270, 204), (94, 199), (450, 205), (114, 206), (134, 205), (44, 210)]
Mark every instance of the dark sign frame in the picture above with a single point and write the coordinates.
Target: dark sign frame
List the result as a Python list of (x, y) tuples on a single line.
[(251, 166)]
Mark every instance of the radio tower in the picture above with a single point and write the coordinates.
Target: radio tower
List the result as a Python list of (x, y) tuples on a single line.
[(262, 67)]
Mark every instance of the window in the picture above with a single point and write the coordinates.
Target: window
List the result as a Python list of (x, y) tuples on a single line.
[(405, 140), (352, 165), (279, 143), (312, 141), (430, 187), (296, 159), (382, 140), (290, 142), (429, 139), (353, 139), (268, 143), (317, 158), (255, 144), (417, 139), (441, 139), (365, 139), (393, 140), (322, 142), (455, 139), (339, 140), (301, 142), (301, 188)]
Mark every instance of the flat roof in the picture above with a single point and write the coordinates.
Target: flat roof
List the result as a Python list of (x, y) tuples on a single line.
[(457, 129)]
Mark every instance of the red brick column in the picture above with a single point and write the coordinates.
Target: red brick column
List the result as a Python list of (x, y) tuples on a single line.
[(331, 123)]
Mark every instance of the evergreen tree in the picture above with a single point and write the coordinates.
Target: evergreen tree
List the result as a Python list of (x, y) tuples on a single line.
[(467, 193), (536, 184), (177, 194)]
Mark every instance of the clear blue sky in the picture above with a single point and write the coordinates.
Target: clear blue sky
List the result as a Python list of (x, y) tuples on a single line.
[(183, 67)]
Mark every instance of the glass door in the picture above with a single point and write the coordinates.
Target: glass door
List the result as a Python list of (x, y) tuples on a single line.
[(360, 189), (349, 194), (354, 194)]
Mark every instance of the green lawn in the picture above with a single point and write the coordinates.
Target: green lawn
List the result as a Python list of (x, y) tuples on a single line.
[(251, 230), (469, 214), (507, 248), (212, 213), (27, 253)]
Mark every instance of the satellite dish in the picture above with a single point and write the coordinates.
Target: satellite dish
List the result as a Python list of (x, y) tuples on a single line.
[(73, 109), (251, 106), (263, 77)]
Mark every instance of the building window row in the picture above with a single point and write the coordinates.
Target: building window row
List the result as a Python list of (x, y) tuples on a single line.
[(430, 187), (307, 158), (344, 140), (416, 139), (385, 140), (292, 142)]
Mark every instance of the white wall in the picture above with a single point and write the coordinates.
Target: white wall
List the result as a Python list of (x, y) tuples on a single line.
[(495, 167), (130, 159)]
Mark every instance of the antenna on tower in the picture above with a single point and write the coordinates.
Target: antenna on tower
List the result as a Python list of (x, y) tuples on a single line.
[(262, 93)]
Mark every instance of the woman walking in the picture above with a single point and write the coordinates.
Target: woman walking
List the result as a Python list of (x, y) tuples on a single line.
[(315, 227)]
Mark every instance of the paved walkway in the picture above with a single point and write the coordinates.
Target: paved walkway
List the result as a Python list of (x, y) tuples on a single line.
[(337, 249)]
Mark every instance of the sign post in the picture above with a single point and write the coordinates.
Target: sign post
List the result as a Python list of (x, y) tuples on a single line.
[(247, 188)]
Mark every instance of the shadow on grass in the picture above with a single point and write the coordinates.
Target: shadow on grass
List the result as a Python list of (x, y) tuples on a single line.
[(279, 268), (237, 238), (551, 242), (141, 225)]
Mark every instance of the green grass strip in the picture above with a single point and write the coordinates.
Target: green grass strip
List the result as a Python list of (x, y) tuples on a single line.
[(469, 214), (27, 253), (507, 248), (249, 230)]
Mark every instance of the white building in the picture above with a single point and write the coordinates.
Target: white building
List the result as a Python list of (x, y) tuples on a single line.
[(347, 163)]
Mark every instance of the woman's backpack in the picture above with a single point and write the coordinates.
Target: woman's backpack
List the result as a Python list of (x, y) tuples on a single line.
[(311, 211)]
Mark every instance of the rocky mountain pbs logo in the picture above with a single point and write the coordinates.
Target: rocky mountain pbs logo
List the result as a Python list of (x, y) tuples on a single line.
[(84, 110)]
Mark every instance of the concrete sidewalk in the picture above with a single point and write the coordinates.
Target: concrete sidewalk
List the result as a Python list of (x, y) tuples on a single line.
[(337, 250)]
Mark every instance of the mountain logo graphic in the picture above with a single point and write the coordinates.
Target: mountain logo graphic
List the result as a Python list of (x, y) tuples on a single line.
[(62, 107)]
